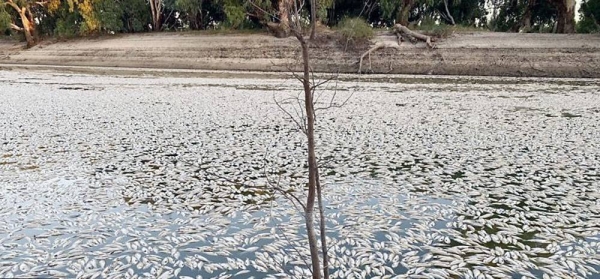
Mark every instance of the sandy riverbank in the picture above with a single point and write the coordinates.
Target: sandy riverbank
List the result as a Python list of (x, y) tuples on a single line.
[(473, 54)]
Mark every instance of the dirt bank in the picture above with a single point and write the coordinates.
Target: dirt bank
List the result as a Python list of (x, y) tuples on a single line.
[(475, 54)]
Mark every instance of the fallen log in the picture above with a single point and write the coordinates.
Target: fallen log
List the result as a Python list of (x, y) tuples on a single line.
[(401, 30), (374, 48)]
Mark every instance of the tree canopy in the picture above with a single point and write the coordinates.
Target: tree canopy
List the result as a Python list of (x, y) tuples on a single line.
[(67, 18)]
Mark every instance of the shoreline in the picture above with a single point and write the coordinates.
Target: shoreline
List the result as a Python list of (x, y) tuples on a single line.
[(236, 74), (463, 54)]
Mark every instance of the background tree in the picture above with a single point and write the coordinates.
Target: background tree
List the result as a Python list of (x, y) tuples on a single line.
[(590, 17), (19, 14), (71, 18), (62, 20), (463, 12), (398, 9), (135, 16), (529, 15), (5, 20), (156, 10), (191, 12), (565, 15)]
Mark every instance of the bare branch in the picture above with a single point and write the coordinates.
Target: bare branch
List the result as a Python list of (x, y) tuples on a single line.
[(368, 52), (16, 28), (287, 194), (301, 127), (296, 250), (14, 6), (262, 10), (333, 105)]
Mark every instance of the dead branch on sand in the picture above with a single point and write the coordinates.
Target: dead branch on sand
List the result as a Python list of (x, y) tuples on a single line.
[(400, 31)]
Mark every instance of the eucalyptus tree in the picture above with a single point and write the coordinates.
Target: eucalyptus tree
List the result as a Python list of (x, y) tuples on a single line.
[(404, 11), (19, 15), (156, 10), (462, 12), (565, 15), (275, 15), (527, 15), (398, 10), (85, 17)]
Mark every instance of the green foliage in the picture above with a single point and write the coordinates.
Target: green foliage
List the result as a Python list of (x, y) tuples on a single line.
[(235, 14), (191, 11), (464, 12), (239, 14), (67, 23), (190, 6), (68, 18), (511, 13), (355, 29), (389, 8), (5, 19), (109, 13), (590, 17), (429, 27), (588, 25), (135, 15), (508, 17), (323, 6)]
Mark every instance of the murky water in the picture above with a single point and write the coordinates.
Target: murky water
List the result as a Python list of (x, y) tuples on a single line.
[(124, 177)]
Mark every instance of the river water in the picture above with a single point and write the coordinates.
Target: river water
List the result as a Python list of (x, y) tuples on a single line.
[(160, 177)]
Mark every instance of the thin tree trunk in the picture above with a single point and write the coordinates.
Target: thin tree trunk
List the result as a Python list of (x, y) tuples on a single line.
[(565, 18), (448, 13), (313, 169), (312, 166), (199, 19), (28, 29), (526, 22), (322, 226), (32, 29), (570, 16), (27, 22), (404, 13), (16, 28), (156, 10), (313, 18), (284, 14), (312, 159), (283, 28), (153, 12)]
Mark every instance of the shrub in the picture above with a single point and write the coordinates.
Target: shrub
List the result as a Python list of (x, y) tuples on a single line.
[(355, 29), (590, 17), (66, 28), (5, 20), (437, 31), (430, 27), (110, 15), (236, 15)]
